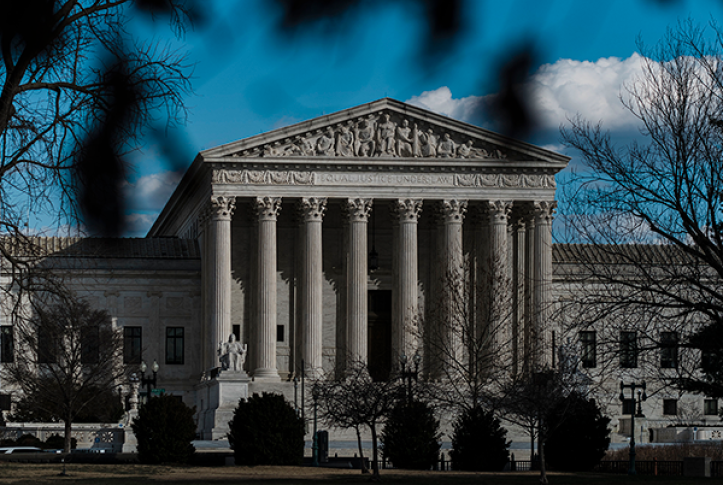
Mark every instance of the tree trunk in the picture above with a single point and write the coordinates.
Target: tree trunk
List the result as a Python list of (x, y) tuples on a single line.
[(68, 432), (541, 452), (364, 468), (375, 454)]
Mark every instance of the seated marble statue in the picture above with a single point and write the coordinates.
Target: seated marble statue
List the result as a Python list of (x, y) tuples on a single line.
[(232, 354)]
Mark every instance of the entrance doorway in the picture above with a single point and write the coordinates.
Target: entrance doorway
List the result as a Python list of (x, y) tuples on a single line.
[(379, 333)]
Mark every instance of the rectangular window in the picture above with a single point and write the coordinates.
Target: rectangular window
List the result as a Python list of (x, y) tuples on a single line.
[(5, 402), (670, 407), (708, 359), (236, 330), (710, 407), (588, 351), (174, 345), (7, 344), (132, 343), (47, 346), (668, 350), (279, 333), (89, 345), (628, 407), (628, 350)]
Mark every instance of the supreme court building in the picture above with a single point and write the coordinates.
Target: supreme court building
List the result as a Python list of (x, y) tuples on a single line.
[(325, 242), (285, 223)]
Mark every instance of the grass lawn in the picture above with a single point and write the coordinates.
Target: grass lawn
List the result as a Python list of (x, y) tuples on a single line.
[(17, 473)]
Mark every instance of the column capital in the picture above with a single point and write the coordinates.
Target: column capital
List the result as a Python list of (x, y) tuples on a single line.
[(222, 207), (312, 208), (452, 210), (267, 208), (545, 211), (407, 209), (358, 210), (499, 211)]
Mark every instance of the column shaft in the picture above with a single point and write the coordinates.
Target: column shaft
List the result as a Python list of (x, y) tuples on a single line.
[(357, 310), (267, 209), (500, 303), (452, 287), (312, 312), (530, 348), (405, 318), (544, 212), (219, 274)]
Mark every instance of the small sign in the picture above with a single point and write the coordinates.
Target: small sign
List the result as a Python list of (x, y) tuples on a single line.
[(158, 392)]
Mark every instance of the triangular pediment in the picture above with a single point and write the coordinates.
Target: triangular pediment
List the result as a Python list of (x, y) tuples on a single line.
[(384, 129)]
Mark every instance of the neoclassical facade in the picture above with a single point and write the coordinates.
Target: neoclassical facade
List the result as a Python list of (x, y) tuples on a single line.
[(335, 240), (286, 222)]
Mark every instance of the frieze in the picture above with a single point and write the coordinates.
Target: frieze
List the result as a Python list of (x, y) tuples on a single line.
[(290, 177), (387, 134)]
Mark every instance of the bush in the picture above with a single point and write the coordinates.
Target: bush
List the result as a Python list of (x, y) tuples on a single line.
[(164, 429), (579, 422), (265, 430), (479, 442), (57, 442), (410, 438), (29, 440)]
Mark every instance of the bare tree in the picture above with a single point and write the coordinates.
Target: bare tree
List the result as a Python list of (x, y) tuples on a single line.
[(652, 209), (76, 90), (527, 401), (66, 355), (357, 401)]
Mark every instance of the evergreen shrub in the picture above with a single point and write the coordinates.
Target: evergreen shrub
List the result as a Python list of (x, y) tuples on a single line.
[(479, 442), (578, 435), (265, 430), (164, 430), (410, 438)]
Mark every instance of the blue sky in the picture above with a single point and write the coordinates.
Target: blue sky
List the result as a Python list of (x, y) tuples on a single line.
[(249, 79)]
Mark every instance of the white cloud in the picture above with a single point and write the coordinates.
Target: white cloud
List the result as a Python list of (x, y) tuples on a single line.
[(592, 89), (151, 192), (560, 91)]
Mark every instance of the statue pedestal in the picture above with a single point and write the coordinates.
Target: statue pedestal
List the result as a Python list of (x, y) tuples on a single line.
[(216, 400)]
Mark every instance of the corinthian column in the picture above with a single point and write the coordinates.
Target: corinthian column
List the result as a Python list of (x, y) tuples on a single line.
[(544, 212), (452, 289), (267, 210), (358, 211), (218, 243), (405, 311), (500, 302), (312, 212)]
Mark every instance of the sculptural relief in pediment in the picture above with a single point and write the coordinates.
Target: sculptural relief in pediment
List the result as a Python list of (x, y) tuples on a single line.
[(385, 134)]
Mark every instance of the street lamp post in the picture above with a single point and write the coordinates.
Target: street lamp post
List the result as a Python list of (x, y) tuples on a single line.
[(408, 374), (315, 442), (149, 382), (636, 402)]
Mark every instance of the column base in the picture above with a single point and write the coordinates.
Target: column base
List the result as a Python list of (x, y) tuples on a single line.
[(266, 374)]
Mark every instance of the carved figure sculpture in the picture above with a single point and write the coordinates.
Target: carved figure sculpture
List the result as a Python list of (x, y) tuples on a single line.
[(404, 140), (386, 136), (232, 354), (465, 149), (446, 147), (429, 144), (345, 142), (325, 144), (364, 138)]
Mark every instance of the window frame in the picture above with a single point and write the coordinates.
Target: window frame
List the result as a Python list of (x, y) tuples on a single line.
[(7, 344), (710, 407), (588, 348), (174, 343), (628, 349), (669, 350), (130, 356), (667, 404)]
